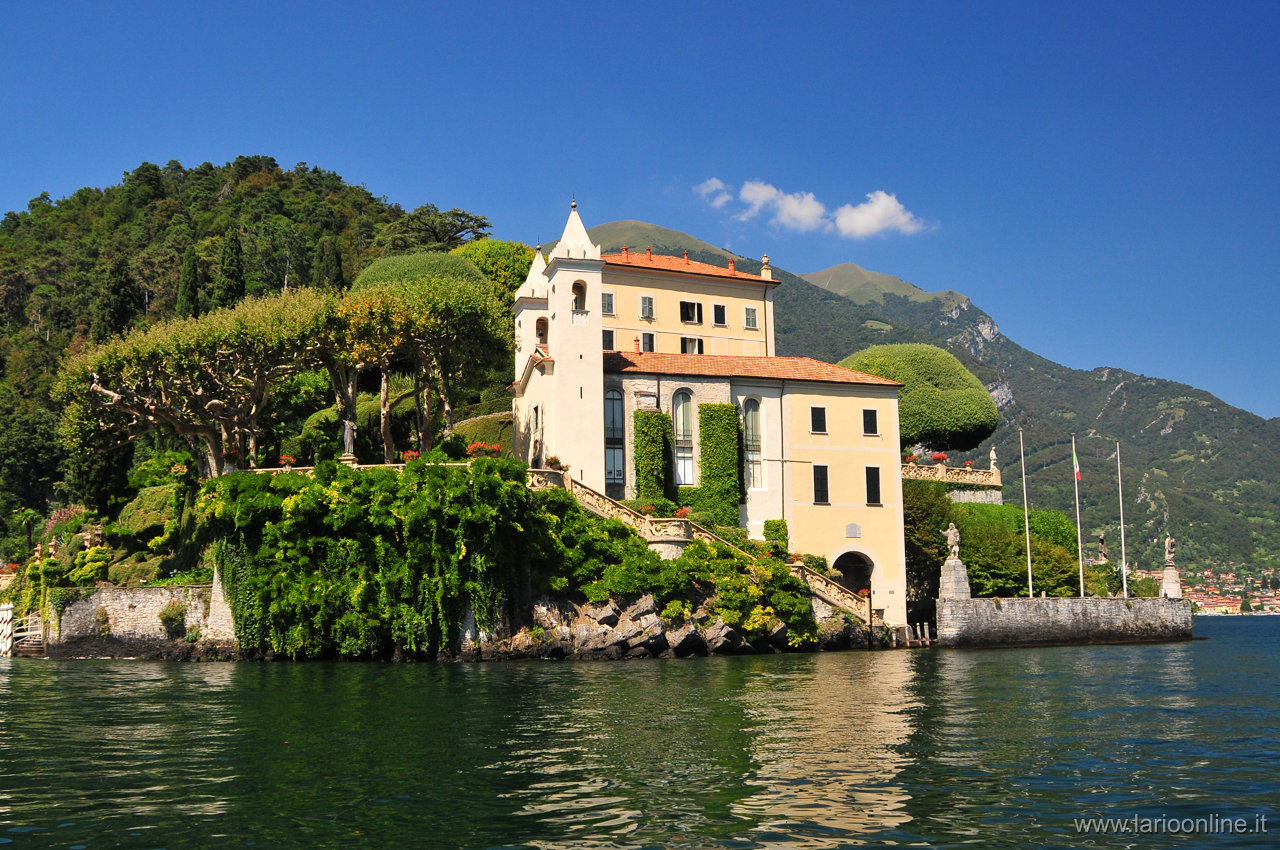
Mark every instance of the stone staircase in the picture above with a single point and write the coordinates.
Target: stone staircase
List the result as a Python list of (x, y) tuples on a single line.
[(659, 531)]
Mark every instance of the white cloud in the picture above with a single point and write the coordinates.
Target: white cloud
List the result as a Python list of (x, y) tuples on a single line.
[(879, 213), (803, 212), (713, 192), (756, 195)]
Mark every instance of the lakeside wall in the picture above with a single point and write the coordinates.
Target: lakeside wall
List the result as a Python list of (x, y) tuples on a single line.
[(133, 614), (1069, 620)]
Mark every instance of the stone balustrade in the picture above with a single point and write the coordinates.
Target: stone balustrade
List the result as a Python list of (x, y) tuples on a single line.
[(952, 474), (832, 592)]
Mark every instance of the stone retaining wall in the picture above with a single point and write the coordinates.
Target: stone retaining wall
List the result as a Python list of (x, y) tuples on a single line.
[(133, 614), (1023, 621)]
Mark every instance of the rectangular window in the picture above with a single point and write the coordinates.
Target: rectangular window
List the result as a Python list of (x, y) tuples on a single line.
[(606, 303), (873, 485), (869, 424), (719, 316), (608, 341), (691, 312), (749, 319), (646, 342), (646, 306), (818, 420), (690, 345), (820, 485)]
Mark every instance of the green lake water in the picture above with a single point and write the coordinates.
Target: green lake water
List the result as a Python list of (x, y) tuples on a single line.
[(942, 748)]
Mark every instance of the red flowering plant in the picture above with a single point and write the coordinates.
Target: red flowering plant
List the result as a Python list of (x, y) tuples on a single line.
[(968, 463), (479, 449), (939, 457), (287, 460), (682, 512), (910, 459), (408, 455), (648, 510)]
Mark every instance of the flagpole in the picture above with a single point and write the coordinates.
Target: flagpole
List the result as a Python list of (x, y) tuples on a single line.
[(1026, 514), (1075, 462), (1124, 560)]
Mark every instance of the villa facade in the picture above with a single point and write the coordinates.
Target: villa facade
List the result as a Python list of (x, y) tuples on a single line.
[(599, 337)]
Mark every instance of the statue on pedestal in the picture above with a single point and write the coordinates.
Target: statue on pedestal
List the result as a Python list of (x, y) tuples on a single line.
[(954, 581), (953, 542), (1103, 555), (1170, 548)]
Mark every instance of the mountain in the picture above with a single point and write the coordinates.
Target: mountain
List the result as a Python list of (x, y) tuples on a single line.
[(1193, 465)]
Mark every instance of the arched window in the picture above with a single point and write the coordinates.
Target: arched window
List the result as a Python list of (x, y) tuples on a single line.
[(579, 295), (682, 424), (752, 471), (540, 331), (615, 476)]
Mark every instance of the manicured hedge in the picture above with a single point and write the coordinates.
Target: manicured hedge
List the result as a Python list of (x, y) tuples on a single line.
[(652, 450)]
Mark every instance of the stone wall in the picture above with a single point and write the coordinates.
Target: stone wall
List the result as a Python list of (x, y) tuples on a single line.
[(133, 614), (981, 497), (1023, 621)]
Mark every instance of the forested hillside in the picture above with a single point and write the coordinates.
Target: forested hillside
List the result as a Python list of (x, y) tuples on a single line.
[(1196, 467), (167, 241)]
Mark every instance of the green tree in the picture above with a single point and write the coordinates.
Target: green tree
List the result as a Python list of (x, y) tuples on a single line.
[(188, 303), (207, 379), (326, 270), (116, 303), (228, 285), (942, 405), (429, 229), (926, 510), (505, 263)]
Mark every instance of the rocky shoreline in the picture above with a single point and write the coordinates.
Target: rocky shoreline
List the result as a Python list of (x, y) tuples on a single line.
[(561, 630)]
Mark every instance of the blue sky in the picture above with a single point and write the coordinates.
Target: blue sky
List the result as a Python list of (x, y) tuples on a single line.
[(1101, 178)]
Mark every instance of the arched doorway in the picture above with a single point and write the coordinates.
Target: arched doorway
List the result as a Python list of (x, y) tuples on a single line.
[(855, 571)]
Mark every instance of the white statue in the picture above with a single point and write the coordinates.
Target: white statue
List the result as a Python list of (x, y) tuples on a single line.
[(953, 542)]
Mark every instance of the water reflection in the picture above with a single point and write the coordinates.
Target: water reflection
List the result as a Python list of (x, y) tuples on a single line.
[(938, 748)]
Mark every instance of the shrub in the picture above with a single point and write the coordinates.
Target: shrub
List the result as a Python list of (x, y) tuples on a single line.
[(102, 622), (775, 531), (173, 617)]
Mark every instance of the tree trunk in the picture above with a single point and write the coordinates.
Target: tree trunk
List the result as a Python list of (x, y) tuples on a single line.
[(384, 403)]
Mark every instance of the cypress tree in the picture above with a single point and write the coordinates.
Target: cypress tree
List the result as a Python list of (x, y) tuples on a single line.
[(116, 302), (228, 286), (326, 272), (188, 303)]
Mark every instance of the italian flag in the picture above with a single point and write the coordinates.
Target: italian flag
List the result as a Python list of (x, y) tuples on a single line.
[(1075, 462)]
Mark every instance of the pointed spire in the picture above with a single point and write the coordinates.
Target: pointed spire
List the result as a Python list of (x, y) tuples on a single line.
[(575, 243)]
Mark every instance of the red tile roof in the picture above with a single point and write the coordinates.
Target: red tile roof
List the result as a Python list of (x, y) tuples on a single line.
[(662, 262), (722, 366)]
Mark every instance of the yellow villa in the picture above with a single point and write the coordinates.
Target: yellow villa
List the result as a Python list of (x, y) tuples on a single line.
[(600, 336)]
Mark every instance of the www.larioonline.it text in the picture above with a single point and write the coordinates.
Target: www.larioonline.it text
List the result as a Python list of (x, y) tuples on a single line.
[(1165, 825)]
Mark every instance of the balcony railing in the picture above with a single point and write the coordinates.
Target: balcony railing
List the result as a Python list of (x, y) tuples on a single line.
[(953, 474), (580, 317)]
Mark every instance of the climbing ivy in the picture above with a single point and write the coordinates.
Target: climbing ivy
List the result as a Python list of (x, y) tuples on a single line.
[(369, 563), (719, 492), (652, 450)]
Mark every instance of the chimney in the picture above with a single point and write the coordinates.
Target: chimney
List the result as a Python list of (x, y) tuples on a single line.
[(637, 345), (648, 251), (766, 271), (731, 264), (686, 255), (624, 253)]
